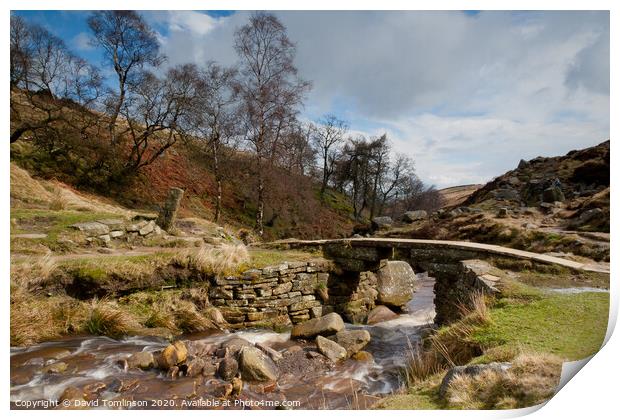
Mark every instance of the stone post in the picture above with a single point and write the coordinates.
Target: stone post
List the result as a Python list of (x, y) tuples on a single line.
[(168, 213)]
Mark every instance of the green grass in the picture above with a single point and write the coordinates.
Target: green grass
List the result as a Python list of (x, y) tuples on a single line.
[(525, 319), (566, 279), (265, 257), (100, 268), (571, 326), (419, 398)]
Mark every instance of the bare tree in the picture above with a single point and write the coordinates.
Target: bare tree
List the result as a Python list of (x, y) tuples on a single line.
[(379, 162), (270, 91), (297, 154), (129, 44), (217, 118), (159, 111), (21, 50), (328, 136), (46, 79), (393, 184)]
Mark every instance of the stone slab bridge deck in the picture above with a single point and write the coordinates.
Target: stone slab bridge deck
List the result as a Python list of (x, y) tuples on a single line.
[(428, 250)]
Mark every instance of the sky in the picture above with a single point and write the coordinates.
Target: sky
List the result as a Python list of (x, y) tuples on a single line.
[(465, 94)]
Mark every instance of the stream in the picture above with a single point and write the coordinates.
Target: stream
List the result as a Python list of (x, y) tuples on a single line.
[(93, 363)]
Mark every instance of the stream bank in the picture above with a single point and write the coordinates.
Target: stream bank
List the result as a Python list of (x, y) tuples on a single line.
[(93, 365)]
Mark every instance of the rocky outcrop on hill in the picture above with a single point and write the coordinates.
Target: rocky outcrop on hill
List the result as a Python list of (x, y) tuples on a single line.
[(580, 173)]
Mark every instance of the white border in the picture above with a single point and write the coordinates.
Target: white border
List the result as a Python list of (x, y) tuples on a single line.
[(592, 394)]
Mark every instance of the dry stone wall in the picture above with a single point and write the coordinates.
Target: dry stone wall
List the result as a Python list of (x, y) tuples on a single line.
[(292, 292)]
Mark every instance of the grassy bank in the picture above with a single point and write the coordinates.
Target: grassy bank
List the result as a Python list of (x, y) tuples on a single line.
[(534, 329), (162, 293)]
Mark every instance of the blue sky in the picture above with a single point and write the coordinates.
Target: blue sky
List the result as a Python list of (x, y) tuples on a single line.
[(466, 94)]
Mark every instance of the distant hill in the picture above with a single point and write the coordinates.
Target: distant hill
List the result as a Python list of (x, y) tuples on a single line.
[(454, 196)]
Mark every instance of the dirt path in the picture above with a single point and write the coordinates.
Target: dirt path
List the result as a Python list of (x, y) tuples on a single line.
[(138, 251)]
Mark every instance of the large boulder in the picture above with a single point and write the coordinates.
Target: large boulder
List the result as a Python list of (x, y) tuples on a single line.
[(227, 368), (141, 360), (588, 215), (275, 355), (412, 216), (553, 194), (168, 213), (325, 325), (330, 349), (172, 355), (92, 228), (255, 365), (235, 344), (363, 356), (353, 340), (395, 283), (147, 229), (509, 194), (380, 314), (194, 366), (382, 222), (113, 224)]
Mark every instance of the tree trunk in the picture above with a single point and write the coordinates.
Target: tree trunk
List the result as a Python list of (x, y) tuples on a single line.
[(117, 110), (325, 177), (260, 211), (218, 200), (218, 179)]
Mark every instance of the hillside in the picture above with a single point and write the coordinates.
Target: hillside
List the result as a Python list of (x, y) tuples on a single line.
[(558, 205), (454, 196), (293, 207)]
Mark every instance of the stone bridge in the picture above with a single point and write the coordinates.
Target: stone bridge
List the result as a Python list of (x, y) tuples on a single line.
[(459, 268)]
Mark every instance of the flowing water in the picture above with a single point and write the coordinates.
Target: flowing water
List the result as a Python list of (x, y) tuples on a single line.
[(93, 362)]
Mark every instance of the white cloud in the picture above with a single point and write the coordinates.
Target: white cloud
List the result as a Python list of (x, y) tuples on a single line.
[(463, 150), (81, 42), (196, 37), (466, 96)]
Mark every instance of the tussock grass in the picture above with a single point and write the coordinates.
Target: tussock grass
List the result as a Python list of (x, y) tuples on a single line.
[(58, 203), (186, 311), (161, 319), (29, 322), (106, 318), (35, 318), (224, 260), (450, 346), (189, 320), (476, 309), (532, 379), (421, 364), (32, 271)]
